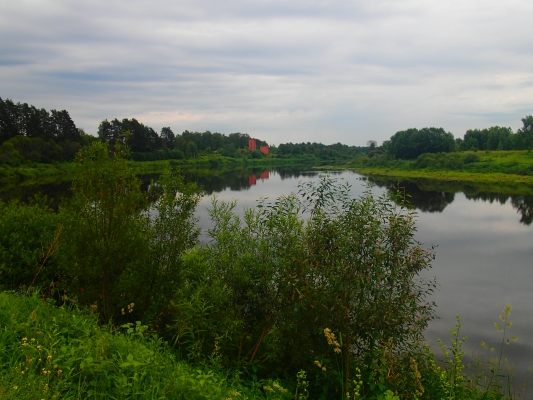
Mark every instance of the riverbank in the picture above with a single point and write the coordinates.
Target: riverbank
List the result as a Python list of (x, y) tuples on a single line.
[(34, 173), (501, 168)]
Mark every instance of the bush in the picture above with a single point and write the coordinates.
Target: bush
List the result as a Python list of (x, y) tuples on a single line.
[(120, 253), (28, 237), (265, 289), (470, 158)]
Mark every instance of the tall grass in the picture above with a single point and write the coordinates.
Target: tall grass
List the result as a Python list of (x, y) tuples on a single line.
[(49, 352)]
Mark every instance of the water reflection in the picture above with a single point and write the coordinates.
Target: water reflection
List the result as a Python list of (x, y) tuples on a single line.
[(435, 196), (424, 194)]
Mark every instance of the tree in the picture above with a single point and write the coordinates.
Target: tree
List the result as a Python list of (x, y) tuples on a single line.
[(412, 143), (167, 139), (116, 250)]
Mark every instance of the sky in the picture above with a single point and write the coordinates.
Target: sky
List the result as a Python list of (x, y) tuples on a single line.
[(281, 71)]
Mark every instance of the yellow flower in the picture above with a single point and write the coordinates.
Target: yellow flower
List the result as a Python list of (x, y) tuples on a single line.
[(324, 369), (15, 387)]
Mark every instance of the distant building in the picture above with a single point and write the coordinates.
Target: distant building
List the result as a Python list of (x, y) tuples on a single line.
[(252, 144)]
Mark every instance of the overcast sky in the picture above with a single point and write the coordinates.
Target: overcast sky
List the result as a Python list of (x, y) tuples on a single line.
[(281, 71)]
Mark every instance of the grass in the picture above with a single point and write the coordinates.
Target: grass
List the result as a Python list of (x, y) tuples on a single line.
[(497, 167), (49, 352)]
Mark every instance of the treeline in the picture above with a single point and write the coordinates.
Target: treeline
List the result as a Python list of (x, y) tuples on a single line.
[(32, 135), (499, 138), (319, 150), (147, 145), (412, 143), (29, 134)]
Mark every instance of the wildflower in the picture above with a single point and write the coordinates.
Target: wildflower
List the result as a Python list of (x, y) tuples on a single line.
[(324, 369), (509, 324), (337, 350), (484, 345), (15, 387), (502, 318), (32, 339), (498, 326), (507, 310), (514, 339), (49, 357), (122, 312)]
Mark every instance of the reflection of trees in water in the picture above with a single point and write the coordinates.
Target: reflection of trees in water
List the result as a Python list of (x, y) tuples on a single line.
[(424, 200), (522, 203), (472, 194), (55, 192), (239, 180), (430, 199)]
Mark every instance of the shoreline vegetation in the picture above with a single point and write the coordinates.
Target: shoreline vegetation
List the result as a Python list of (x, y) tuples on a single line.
[(503, 171), (510, 169), (314, 295)]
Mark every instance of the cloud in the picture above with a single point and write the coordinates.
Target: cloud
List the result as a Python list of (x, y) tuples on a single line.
[(343, 71)]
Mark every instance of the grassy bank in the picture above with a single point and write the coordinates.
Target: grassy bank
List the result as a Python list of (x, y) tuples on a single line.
[(495, 167), (50, 352), (61, 353)]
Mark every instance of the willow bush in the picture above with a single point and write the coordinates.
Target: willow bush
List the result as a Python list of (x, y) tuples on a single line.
[(121, 248), (318, 281)]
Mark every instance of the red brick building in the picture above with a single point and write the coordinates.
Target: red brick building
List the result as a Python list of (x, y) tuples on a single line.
[(252, 144)]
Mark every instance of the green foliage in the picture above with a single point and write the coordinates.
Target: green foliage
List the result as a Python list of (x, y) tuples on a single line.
[(411, 143), (28, 134), (28, 237), (119, 255), (267, 285), (49, 352)]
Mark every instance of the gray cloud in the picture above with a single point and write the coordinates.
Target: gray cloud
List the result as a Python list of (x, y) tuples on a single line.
[(294, 71)]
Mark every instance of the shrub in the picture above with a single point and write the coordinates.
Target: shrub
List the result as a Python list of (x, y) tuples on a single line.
[(122, 256), (470, 158), (28, 237), (265, 289)]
